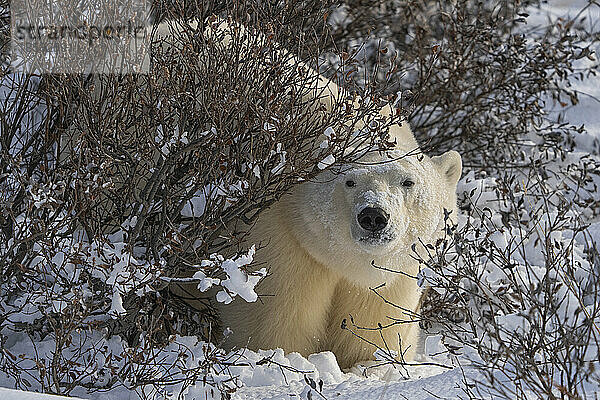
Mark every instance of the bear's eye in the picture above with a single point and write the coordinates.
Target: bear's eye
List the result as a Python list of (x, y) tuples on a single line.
[(350, 183), (408, 183)]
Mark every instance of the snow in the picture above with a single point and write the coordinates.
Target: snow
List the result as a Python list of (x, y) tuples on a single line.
[(11, 394), (271, 374), (327, 367), (238, 281), (326, 162), (212, 193), (383, 382), (277, 169), (170, 141)]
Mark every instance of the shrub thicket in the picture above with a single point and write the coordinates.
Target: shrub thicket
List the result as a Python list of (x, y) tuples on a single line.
[(114, 187)]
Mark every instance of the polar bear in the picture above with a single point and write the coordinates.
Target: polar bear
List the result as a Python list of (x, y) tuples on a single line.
[(320, 242)]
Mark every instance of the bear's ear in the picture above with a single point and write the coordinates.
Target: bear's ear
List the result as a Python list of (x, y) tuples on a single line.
[(450, 165)]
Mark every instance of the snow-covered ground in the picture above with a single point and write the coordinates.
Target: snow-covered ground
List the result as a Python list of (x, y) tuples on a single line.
[(11, 394), (385, 382), (285, 376)]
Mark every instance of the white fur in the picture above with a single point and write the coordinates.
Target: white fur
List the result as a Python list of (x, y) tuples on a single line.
[(320, 269), (321, 273)]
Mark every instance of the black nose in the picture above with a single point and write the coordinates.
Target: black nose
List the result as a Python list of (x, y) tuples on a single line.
[(372, 219)]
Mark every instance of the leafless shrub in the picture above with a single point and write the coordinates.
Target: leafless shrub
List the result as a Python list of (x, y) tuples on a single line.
[(471, 73), (520, 275), (513, 290), (113, 186)]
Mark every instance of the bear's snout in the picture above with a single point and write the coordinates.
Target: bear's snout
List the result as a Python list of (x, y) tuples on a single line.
[(372, 219)]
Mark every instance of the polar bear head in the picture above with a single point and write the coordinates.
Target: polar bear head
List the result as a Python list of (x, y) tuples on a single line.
[(374, 211)]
